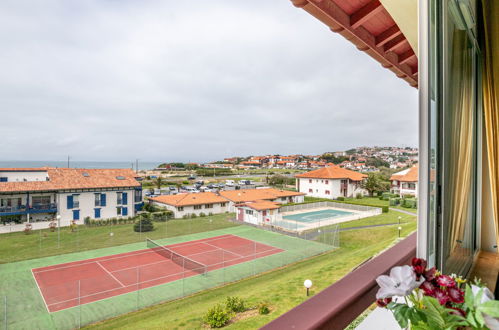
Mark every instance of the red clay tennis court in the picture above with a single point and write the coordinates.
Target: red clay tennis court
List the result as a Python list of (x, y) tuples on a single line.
[(71, 284)]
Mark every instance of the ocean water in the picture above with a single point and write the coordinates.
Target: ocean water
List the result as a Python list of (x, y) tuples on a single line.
[(77, 164)]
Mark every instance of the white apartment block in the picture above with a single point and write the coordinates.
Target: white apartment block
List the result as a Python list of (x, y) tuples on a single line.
[(331, 182), (42, 194)]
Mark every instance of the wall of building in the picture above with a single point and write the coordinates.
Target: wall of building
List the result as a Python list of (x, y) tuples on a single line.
[(216, 208), (318, 188), (87, 205)]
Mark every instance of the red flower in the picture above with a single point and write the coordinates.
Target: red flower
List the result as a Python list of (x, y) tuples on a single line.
[(458, 311), (383, 302), (419, 266), (441, 296), (429, 274), (456, 295), (428, 288), (446, 281)]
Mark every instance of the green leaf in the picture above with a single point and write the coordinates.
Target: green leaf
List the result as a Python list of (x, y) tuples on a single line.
[(479, 319), (468, 297), (471, 320), (398, 312), (490, 308), (478, 298), (433, 312)]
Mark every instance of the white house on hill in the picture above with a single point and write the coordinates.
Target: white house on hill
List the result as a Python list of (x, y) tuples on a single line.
[(405, 182), (331, 182)]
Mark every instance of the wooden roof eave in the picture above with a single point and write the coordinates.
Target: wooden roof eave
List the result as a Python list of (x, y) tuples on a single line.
[(379, 47)]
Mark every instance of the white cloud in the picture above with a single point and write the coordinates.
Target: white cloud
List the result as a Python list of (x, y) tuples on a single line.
[(196, 80)]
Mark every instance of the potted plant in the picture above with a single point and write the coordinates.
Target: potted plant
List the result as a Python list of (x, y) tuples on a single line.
[(422, 298)]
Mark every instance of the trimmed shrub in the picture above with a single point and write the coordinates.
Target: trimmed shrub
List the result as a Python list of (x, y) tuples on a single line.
[(235, 304), (202, 214), (217, 316), (143, 225), (384, 209), (185, 216), (341, 198), (210, 214), (263, 308), (359, 196), (193, 215), (86, 221), (394, 201)]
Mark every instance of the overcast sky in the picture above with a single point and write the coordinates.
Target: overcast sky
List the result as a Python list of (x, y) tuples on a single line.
[(190, 80)]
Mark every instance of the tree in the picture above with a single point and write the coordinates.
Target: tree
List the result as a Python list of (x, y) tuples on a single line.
[(373, 183), (158, 182)]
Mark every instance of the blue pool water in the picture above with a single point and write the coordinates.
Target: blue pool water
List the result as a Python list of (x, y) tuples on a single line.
[(316, 216)]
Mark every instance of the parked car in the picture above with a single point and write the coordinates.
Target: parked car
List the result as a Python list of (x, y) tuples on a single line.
[(244, 182), (192, 190), (191, 177), (172, 188), (230, 182)]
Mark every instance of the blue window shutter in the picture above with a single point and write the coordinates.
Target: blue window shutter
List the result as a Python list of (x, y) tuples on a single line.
[(125, 198), (102, 199), (76, 214), (97, 213), (124, 211), (70, 202), (3, 179)]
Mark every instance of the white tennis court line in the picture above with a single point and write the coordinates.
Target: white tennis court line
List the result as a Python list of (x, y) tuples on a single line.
[(146, 281), (40, 290), (107, 271), (126, 254), (219, 248)]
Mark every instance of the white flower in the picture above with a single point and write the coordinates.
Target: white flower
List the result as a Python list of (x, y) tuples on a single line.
[(401, 282), (486, 293), (491, 322)]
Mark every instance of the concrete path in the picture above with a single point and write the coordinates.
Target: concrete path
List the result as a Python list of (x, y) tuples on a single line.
[(403, 211)]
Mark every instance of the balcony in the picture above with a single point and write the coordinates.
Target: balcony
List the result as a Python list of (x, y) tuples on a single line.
[(24, 209), (341, 303), (43, 208), (13, 210)]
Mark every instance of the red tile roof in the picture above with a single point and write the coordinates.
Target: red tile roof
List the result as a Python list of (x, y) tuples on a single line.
[(408, 175), (262, 205), (72, 178), (250, 195), (332, 172), (190, 199)]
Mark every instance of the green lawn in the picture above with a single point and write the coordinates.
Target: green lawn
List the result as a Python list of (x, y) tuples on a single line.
[(42, 243), (282, 288)]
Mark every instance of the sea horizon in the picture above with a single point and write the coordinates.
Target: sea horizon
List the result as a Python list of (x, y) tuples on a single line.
[(77, 164)]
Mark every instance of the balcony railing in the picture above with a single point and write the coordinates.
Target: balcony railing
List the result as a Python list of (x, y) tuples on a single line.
[(40, 208), (341, 303), (24, 209), (7, 210)]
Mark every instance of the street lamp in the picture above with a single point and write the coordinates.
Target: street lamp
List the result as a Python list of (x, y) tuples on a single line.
[(400, 218), (400, 228), (58, 217), (308, 285)]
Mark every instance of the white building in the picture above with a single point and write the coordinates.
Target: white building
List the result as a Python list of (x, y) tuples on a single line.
[(405, 182), (258, 212), (192, 203), (263, 194), (40, 194), (225, 201), (331, 182)]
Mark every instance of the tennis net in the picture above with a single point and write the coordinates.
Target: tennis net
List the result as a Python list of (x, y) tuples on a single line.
[(185, 262)]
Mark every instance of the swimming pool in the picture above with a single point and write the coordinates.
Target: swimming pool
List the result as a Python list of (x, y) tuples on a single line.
[(317, 216)]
